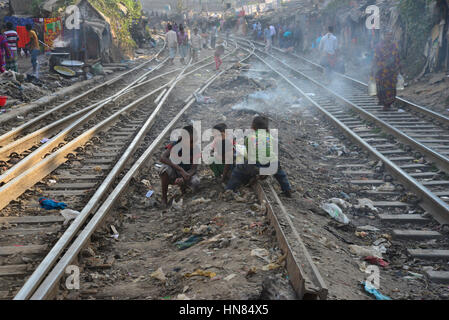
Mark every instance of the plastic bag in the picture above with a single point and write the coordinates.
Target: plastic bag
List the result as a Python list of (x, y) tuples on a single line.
[(401, 83), (372, 88), (335, 212)]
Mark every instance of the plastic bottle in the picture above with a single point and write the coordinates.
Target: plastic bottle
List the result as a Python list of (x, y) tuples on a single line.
[(335, 212)]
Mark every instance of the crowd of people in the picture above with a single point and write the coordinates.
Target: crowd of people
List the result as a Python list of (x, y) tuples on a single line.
[(9, 51), (188, 42)]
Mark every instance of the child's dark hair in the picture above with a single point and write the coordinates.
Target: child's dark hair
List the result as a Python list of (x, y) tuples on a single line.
[(9, 25), (29, 27), (260, 123), (169, 26), (221, 127)]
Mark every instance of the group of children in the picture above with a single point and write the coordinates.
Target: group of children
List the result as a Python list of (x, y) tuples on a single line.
[(224, 164)]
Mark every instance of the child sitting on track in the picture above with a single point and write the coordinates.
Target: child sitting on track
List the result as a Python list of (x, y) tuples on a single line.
[(182, 174), (243, 173)]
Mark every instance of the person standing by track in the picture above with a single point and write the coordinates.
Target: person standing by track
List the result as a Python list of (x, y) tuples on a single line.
[(13, 38), (386, 68), (183, 43)]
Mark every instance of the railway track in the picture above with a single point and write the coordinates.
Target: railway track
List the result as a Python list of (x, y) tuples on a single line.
[(81, 173), (410, 146)]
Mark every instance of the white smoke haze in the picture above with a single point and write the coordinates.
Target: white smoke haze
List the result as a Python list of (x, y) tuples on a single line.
[(59, 43), (280, 99)]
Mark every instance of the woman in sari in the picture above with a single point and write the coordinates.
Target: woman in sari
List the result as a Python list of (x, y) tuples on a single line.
[(386, 67)]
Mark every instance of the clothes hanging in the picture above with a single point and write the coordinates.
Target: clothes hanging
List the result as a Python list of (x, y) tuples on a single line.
[(52, 31), (24, 37)]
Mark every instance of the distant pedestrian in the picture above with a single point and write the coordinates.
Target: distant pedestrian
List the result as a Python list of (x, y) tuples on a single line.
[(220, 50), (195, 41), (328, 48), (5, 52), (386, 69), (34, 49), (183, 43), (13, 38), (171, 38)]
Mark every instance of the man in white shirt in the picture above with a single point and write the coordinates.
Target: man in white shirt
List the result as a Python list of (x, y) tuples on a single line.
[(328, 48), (195, 41), (171, 39)]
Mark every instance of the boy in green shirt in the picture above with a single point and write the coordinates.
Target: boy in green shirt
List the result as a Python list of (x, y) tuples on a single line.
[(243, 173)]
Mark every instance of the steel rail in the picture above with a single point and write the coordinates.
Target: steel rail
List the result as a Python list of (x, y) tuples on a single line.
[(11, 135), (33, 138), (40, 152), (438, 208), (93, 203), (46, 287), (37, 277)]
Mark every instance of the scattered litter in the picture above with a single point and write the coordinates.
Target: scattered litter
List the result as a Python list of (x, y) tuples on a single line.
[(341, 203), (251, 271), (260, 253), (366, 203), (368, 228), (182, 297), (413, 275), (201, 273), (20, 117), (177, 205), (365, 251), (45, 140), (230, 277), (146, 183), (271, 266), (52, 181), (98, 169), (182, 245), (203, 100), (371, 290), (49, 204), (335, 212), (149, 193), (199, 201), (310, 94), (159, 275), (376, 261), (345, 195), (401, 110), (69, 214), (361, 234), (115, 233)]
